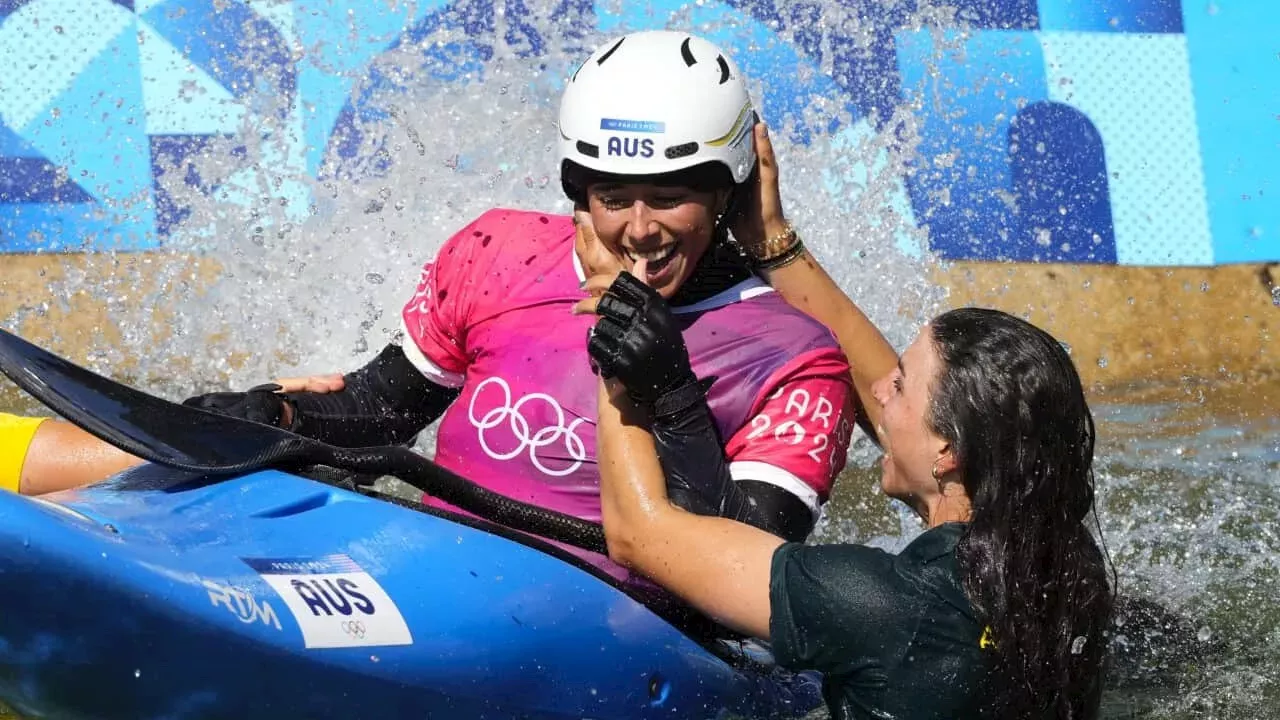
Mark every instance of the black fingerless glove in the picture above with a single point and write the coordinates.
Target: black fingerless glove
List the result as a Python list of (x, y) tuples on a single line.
[(638, 341), (262, 404)]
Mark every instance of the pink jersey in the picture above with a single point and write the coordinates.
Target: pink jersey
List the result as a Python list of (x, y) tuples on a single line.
[(492, 316)]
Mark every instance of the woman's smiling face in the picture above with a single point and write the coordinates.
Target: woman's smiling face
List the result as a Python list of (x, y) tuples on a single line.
[(910, 446), (670, 226)]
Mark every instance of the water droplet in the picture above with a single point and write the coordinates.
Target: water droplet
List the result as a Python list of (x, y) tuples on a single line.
[(1203, 635), (1204, 286), (1077, 645), (137, 673), (1102, 362), (1275, 296), (374, 278)]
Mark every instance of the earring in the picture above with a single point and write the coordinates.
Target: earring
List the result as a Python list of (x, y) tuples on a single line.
[(936, 476)]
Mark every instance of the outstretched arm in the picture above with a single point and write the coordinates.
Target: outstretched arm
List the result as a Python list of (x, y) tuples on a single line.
[(806, 286), (388, 401), (797, 276), (719, 566)]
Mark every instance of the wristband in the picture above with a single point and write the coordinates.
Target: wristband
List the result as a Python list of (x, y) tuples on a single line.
[(774, 248), (791, 255)]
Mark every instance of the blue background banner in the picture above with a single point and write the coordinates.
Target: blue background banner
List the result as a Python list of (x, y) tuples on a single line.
[(1132, 132)]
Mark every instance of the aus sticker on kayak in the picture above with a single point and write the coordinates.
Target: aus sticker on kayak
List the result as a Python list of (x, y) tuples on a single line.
[(336, 603)]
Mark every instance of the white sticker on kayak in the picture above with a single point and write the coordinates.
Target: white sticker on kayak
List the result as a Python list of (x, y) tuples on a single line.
[(336, 603)]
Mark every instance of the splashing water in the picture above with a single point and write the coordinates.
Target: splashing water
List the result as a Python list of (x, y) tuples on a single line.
[(1188, 480), (329, 287)]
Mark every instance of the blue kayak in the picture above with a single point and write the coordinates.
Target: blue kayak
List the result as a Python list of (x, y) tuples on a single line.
[(165, 593)]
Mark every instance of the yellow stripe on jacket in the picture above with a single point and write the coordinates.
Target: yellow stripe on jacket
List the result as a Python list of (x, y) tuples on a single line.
[(16, 433)]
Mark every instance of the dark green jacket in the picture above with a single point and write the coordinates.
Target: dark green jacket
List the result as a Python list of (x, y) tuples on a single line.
[(894, 635)]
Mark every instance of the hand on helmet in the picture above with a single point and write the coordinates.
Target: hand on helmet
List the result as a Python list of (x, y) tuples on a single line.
[(759, 215), (637, 339), (262, 404)]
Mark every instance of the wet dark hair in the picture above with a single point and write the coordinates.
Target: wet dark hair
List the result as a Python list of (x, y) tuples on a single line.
[(1009, 401)]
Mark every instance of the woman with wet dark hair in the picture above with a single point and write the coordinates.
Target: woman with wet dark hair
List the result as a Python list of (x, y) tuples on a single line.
[(997, 610), (1010, 404)]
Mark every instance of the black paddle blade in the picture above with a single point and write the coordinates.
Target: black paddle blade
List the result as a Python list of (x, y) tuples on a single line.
[(153, 429)]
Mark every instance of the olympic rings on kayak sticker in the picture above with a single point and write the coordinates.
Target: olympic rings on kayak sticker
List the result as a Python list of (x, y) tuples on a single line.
[(334, 601), (354, 628)]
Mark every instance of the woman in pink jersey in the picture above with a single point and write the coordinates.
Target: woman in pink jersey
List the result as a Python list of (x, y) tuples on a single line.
[(655, 149)]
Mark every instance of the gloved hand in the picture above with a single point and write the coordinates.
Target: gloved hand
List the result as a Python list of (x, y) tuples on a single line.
[(638, 341), (262, 404)]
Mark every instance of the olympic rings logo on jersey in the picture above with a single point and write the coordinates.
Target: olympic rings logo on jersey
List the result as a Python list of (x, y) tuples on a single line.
[(354, 628), (512, 416)]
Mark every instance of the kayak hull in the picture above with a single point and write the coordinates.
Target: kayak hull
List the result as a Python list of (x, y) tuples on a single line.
[(160, 594)]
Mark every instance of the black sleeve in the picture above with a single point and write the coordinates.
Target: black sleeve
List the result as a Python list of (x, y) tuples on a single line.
[(386, 402), (697, 472)]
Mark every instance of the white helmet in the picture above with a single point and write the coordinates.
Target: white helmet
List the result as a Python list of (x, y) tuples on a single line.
[(656, 102)]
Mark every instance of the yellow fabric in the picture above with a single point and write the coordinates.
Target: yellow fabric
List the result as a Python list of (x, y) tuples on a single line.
[(16, 433)]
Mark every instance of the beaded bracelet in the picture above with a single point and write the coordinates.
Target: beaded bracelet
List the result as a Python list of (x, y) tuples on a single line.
[(778, 250), (774, 245), (787, 257)]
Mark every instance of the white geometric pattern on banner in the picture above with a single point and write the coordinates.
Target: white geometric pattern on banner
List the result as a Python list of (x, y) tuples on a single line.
[(180, 97), (45, 45), (1136, 89)]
